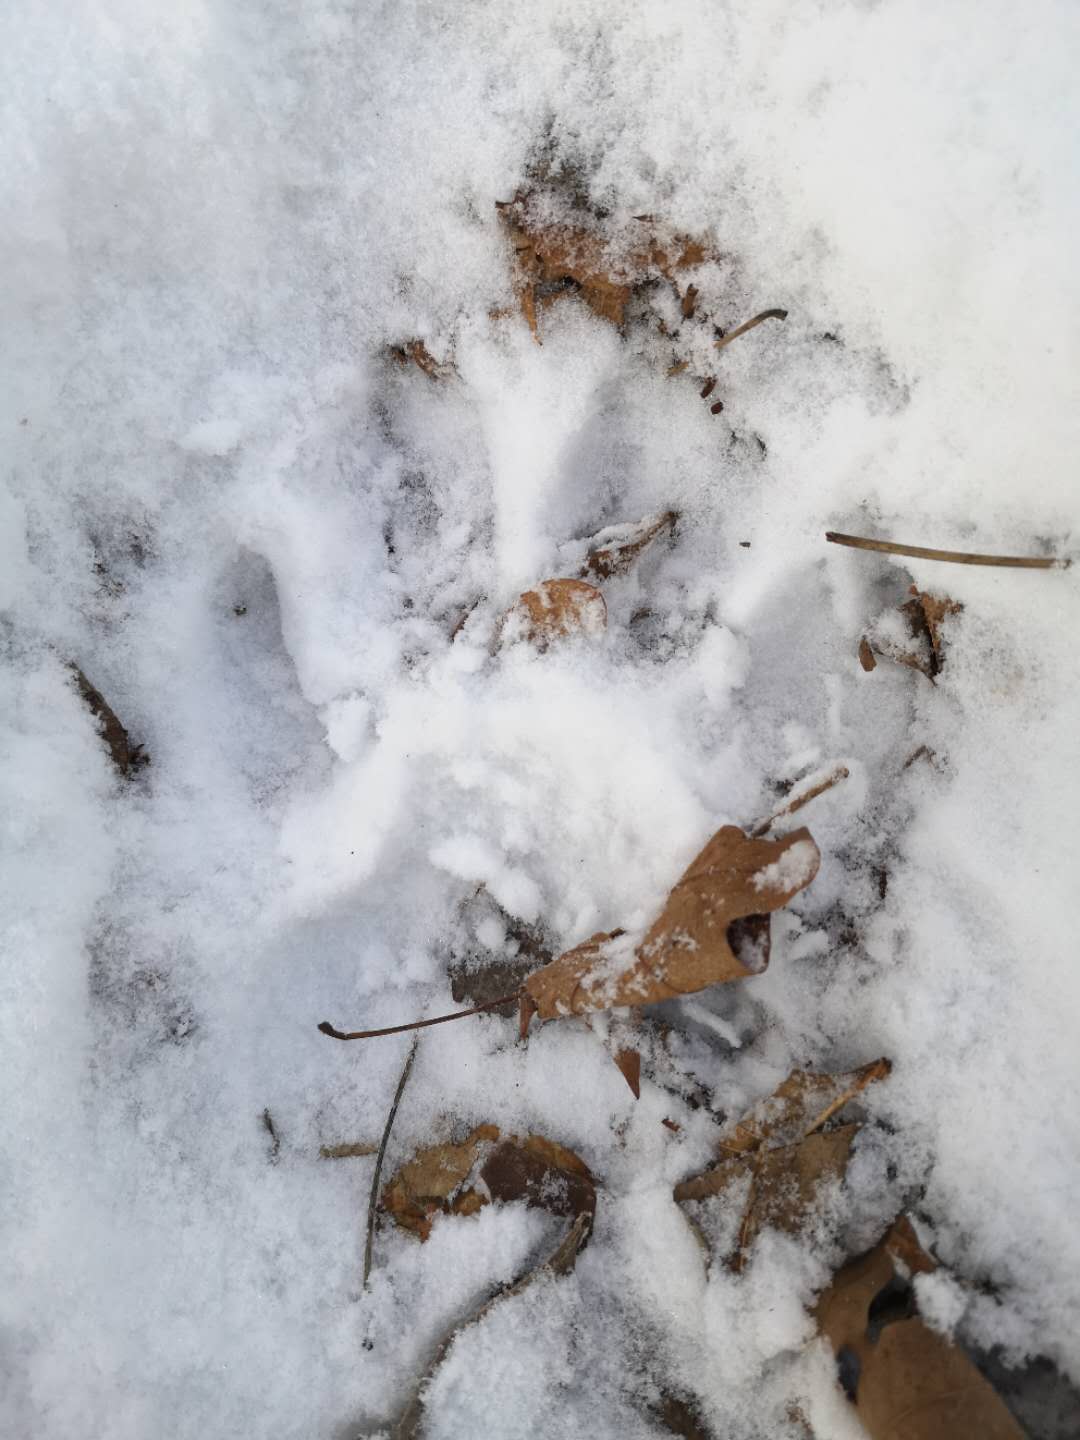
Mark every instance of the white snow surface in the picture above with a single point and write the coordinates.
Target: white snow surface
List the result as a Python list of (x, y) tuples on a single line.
[(256, 534)]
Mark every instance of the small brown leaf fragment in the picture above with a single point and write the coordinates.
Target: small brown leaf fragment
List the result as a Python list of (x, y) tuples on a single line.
[(678, 367), (925, 615), (866, 655), (125, 756), (613, 551), (689, 302), (629, 1063), (422, 358), (556, 610), (904, 1380), (688, 947), (426, 1184), (708, 388), (716, 407)]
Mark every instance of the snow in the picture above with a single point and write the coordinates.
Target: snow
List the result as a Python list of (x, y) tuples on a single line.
[(255, 534)]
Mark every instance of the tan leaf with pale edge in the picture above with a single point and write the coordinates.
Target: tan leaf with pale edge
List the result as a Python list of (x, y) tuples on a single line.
[(904, 1380)]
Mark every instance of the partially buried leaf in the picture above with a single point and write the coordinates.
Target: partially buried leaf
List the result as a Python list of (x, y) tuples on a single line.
[(562, 249), (784, 1152), (904, 1380), (540, 1172), (125, 756), (534, 1169), (925, 616), (431, 1182), (689, 946), (556, 610), (614, 550)]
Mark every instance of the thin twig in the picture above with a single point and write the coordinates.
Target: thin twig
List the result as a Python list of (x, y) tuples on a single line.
[(956, 557), (346, 1152), (750, 325), (373, 1199), (869, 1073), (798, 801), (327, 1029)]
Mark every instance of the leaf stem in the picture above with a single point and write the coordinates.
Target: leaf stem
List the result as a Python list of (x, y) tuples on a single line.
[(955, 557), (327, 1029), (750, 324)]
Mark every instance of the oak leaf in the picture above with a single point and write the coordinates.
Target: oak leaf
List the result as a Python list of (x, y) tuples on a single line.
[(905, 1381), (689, 946), (782, 1156)]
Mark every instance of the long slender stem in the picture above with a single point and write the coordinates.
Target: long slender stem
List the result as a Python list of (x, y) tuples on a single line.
[(955, 557), (327, 1029), (750, 324), (373, 1198)]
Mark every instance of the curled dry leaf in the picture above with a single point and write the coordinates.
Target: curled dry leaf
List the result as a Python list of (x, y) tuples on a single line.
[(555, 610), (784, 1152), (690, 945), (904, 1380), (613, 551), (459, 1179)]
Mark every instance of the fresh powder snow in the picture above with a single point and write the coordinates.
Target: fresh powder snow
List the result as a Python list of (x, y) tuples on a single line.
[(283, 557)]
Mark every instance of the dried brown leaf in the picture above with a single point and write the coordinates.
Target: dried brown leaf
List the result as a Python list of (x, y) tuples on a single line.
[(540, 1172), (689, 946), (427, 1184), (421, 356), (534, 1169), (573, 256), (926, 615), (905, 1381), (125, 756), (614, 550), (557, 609), (781, 1147), (800, 1105)]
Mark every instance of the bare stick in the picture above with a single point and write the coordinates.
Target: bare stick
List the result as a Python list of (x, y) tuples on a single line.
[(560, 1262), (955, 557), (327, 1029), (373, 1199), (750, 325), (346, 1152), (866, 1076), (798, 801)]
